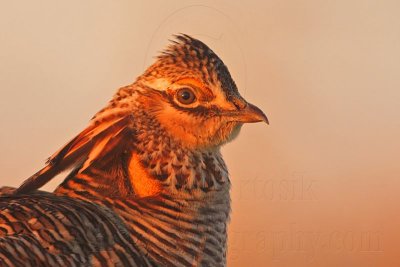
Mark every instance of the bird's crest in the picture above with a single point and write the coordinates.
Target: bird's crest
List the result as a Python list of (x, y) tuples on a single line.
[(190, 53)]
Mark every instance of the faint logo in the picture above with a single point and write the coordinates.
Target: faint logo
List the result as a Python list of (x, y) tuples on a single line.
[(294, 187), (279, 243)]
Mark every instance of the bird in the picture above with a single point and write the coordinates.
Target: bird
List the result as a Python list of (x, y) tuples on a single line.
[(147, 183)]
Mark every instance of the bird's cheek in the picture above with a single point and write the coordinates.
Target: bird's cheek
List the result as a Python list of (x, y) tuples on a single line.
[(180, 126)]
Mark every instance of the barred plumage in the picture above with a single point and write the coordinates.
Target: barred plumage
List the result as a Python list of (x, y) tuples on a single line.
[(148, 185)]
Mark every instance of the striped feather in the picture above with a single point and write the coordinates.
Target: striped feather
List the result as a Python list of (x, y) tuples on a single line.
[(47, 230), (83, 149)]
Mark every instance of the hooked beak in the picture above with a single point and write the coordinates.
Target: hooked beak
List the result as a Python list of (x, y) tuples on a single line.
[(250, 113)]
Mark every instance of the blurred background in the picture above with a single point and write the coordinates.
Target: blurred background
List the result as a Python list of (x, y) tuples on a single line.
[(320, 186)]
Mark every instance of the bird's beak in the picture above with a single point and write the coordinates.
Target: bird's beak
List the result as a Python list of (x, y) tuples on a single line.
[(250, 113)]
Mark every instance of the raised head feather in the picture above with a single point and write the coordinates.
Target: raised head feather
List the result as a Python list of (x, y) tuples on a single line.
[(96, 141)]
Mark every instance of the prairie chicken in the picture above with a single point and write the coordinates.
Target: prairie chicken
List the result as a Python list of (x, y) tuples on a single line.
[(148, 185)]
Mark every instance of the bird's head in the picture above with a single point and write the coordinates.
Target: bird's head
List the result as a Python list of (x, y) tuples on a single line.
[(192, 95)]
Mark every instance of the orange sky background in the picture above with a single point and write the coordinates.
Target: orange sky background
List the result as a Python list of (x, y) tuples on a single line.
[(320, 186)]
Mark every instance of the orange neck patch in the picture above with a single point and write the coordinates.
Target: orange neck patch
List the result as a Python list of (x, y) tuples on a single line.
[(143, 184)]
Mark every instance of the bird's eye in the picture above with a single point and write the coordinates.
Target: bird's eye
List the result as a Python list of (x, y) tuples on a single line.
[(185, 96)]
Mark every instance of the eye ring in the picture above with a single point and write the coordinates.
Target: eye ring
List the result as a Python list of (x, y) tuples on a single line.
[(185, 96)]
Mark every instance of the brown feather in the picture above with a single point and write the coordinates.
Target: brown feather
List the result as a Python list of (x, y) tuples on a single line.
[(77, 151)]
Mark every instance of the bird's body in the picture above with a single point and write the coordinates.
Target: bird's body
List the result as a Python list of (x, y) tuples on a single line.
[(148, 185), (48, 230)]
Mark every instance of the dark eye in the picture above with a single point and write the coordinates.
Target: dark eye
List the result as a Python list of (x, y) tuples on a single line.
[(185, 96)]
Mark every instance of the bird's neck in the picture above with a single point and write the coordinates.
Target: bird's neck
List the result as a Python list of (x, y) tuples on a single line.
[(175, 204), (152, 165), (165, 193)]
